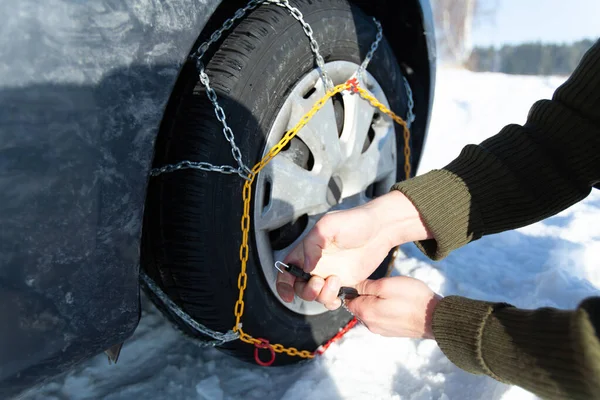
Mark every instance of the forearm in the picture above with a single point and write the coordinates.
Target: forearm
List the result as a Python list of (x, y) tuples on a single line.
[(553, 353), (521, 175)]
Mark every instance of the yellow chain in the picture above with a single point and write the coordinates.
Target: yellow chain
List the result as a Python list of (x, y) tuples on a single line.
[(377, 104), (247, 194)]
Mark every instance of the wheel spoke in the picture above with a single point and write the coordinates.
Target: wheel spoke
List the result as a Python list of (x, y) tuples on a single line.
[(320, 134), (358, 115), (373, 165), (294, 192), (385, 145)]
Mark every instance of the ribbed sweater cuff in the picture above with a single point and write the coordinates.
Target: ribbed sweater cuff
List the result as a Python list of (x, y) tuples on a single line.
[(445, 205), (531, 348), (553, 353), (458, 325)]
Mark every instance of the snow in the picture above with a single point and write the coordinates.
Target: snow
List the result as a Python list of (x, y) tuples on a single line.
[(552, 263)]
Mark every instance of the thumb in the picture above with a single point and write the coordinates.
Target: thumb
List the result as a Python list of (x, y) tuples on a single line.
[(359, 306)]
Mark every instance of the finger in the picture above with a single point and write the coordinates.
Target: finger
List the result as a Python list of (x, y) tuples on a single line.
[(314, 243), (286, 281), (363, 308), (356, 306), (328, 295), (337, 303), (285, 286), (311, 289), (370, 287), (299, 286)]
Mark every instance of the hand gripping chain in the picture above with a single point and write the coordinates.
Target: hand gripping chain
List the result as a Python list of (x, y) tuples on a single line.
[(249, 174)]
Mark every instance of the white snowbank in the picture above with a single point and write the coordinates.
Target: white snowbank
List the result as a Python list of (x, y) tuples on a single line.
[(552, 263)]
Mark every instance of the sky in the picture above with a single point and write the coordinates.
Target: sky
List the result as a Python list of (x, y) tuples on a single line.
[(557, 21)]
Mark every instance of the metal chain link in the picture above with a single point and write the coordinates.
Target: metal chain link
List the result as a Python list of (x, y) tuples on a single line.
[(242, 170), (410, 116), (372, 50), (218, 337), (228, 24), (202, 166), (314, 46)]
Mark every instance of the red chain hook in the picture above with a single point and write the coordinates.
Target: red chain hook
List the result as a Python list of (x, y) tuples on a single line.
[(263, 344)]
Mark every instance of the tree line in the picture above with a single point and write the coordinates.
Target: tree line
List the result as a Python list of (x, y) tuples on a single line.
[(529, 58)]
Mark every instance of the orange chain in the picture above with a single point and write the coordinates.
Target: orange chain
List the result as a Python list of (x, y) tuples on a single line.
[(351, 85)]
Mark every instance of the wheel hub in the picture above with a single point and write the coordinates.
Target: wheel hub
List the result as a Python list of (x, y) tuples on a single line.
[(344, 156)]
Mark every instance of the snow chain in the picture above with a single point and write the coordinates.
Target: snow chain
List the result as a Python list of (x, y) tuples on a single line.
[(249, 175)]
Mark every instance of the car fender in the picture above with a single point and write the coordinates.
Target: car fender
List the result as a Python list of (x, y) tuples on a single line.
[(83, 87)]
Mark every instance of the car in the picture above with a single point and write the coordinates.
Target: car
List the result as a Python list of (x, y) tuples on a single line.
[(117, 173)]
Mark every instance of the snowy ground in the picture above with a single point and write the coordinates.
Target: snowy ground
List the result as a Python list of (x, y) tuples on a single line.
[(547, 264)]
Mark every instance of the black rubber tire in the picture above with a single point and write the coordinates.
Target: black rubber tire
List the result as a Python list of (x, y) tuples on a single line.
[(192, 219)]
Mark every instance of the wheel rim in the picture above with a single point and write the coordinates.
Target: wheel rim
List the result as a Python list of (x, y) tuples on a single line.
[(343, 157)]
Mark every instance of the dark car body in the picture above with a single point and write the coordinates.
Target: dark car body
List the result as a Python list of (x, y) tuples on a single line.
[(83, 88)]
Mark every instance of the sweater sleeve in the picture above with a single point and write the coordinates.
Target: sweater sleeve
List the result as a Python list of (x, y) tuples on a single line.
[(552, 353), (521, 175)]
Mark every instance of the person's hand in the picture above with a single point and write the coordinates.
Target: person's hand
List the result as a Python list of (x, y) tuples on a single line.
[(398, 306), (345, 247)]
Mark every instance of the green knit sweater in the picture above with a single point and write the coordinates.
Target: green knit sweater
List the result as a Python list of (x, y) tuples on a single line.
[(517, 177)]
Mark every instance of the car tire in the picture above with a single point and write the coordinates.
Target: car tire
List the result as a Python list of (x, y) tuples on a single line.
[(191, 234)]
